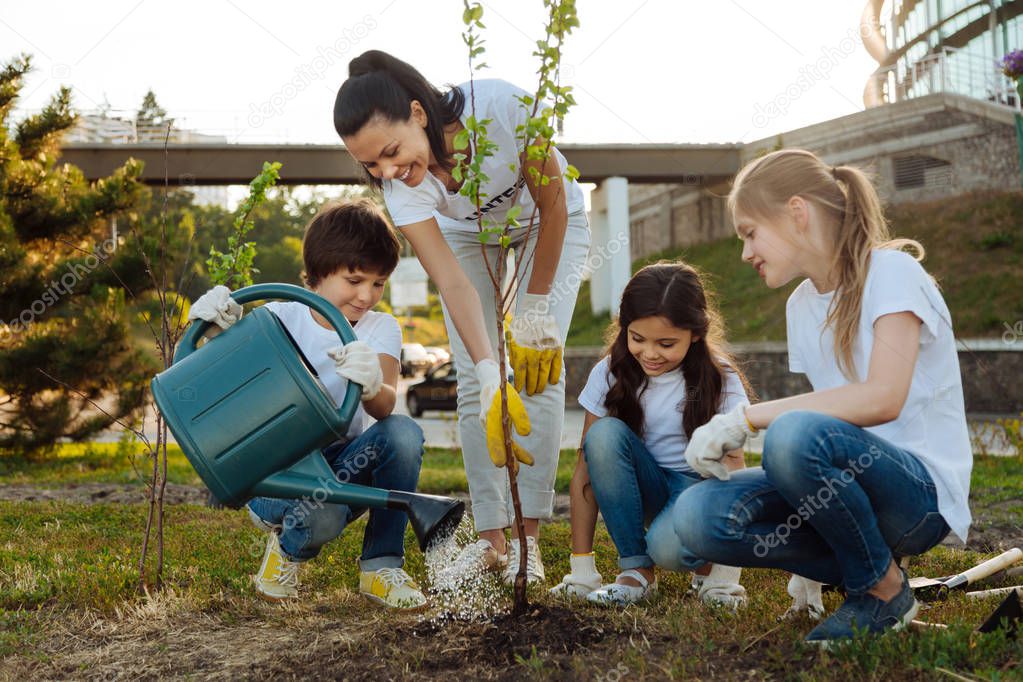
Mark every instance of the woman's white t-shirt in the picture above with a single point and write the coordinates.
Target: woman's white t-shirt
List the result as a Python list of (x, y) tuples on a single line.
[(663, 401), (380, 330), (496, 100), (932, 424)]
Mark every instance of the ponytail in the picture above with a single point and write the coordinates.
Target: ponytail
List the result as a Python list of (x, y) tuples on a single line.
[(379, 84), (845, 196)]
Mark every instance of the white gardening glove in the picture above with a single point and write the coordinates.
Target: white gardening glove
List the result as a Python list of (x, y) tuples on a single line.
[(712, 441), (489, 378), (535, 345), (216, 306), (358, 362), (806, 596)]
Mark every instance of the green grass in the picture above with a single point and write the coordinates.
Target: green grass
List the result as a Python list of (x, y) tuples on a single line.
[(974, 249)]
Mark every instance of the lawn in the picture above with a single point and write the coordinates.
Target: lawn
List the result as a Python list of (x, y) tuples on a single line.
[(69, 606)]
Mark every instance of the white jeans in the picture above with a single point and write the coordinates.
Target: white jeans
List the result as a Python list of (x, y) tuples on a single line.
[(488, 485)]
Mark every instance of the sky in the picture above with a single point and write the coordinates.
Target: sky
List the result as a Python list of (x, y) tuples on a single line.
[(653, 71)]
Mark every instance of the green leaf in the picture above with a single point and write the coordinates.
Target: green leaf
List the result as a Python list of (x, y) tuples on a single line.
[(461, 140)]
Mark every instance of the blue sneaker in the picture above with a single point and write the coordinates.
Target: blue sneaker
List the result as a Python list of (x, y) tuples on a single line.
[(866, 613)]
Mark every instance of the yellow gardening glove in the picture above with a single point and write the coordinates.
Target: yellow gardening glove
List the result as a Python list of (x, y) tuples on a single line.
[(534, 345), (490, 416)]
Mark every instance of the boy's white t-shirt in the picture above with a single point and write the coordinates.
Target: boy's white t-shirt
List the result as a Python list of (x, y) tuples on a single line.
[(380, 330), (932, 424), (663, 402), (496, 100)]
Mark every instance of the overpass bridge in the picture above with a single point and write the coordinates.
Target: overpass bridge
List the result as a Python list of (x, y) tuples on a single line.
[(237, 164), (611, 166)]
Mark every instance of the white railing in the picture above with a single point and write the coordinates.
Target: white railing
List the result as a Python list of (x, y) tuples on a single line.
[(950, 70)]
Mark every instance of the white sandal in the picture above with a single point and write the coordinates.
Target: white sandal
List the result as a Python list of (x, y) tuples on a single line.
[(617, 594)]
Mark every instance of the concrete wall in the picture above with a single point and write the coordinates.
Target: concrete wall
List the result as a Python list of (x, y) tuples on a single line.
[(992, 373)]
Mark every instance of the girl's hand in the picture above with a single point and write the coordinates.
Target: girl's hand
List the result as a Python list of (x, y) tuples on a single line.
[(723, 433)]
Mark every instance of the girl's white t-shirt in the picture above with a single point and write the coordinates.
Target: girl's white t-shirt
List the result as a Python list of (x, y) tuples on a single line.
[(380, 330), (663, 401), (496, 100), (932, 424)]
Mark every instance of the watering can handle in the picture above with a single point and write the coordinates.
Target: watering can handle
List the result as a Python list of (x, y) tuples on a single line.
[(258, 292)]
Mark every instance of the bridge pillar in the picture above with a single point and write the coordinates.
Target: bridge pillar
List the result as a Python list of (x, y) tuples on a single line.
[(610, 260)]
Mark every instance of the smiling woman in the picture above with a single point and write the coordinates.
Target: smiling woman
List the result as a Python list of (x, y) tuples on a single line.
[(402, 130)]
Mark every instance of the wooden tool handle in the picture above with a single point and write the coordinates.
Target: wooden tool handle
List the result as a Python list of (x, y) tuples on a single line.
[(993, 565), (985, 569)]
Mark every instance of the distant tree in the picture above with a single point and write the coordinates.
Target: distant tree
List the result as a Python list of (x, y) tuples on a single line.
[(65, 344), (151, 113)]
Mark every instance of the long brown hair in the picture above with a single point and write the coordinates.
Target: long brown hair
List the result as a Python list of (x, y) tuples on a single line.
[(674, 291), (852, 210)]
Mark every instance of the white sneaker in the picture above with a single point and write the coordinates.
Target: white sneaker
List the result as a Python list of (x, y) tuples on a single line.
[(576, 588), (472, 561), (617, 594), (534, 564), (277, 578)]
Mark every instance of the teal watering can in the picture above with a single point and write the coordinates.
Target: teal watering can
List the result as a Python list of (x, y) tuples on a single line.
[(251, 416)]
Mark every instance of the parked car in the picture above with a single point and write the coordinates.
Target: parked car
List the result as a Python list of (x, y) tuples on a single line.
[(414, 359), (439, 354), (437, 391)]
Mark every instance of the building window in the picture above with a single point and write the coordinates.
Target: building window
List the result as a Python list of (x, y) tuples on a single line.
[(918, 171)]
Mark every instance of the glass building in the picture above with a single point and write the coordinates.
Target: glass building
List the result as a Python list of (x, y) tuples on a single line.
[(929, 46)]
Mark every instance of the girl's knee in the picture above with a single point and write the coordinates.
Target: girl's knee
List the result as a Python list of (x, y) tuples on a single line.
[(662, 544), (790, 439), (603, 440)]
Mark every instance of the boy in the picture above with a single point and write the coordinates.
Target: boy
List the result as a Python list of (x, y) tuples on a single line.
[(349, 251)]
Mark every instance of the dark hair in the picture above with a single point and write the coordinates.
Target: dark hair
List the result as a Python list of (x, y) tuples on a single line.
[(674, 291), (353, 235), (381, 85)]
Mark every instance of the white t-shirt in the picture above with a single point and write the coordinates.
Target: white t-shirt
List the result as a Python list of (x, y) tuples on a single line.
[(663, 402), (380, 330), (932, 424), (496, 100)]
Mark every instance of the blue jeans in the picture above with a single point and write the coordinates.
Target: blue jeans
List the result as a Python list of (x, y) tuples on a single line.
[(832, 502), (387, 455), (631, 488)]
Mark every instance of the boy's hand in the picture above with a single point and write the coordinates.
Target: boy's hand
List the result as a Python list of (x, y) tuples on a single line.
[(216, 306), (358, 362), (490, 416), (723, 433), (534, 345)]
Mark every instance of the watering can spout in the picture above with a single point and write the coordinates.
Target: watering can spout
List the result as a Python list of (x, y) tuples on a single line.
[(433, 518)]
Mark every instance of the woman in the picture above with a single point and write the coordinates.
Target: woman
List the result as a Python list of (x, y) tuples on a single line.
[(402, 130)]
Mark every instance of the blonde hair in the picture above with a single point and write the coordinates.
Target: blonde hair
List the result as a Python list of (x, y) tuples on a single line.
[(849, 202)]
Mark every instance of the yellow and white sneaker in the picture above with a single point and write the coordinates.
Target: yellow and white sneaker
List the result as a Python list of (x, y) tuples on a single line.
[(277, 579), (392, 587)]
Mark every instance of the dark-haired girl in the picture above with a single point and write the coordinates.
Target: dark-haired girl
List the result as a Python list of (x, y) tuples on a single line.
[(664, 375), (402, 130)]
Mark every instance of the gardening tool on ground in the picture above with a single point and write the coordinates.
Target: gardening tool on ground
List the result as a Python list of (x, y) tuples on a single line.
[(251, 416), (929, 589), (1008, 615)]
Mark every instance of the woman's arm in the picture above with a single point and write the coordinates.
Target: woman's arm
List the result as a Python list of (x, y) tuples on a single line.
[(878, 399), (551, 202), (460, 297), (383, 402), (583, 509)]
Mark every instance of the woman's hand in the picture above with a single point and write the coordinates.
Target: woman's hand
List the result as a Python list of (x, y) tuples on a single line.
[(534, 345), (490, 416)]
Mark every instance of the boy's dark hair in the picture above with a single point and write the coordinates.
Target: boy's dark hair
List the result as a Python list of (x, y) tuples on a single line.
[(380, 84), (353, 235)]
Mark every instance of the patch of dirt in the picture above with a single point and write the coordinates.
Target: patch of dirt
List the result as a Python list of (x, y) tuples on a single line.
[(102, 493)]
